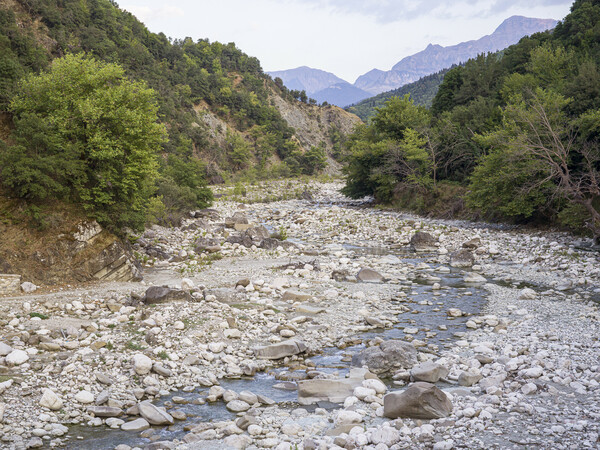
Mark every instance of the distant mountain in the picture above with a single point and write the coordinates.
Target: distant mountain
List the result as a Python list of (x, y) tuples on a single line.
[(435, 57), (320, 85), (327, 87), (422, 92), (340, 94), (307, 79)]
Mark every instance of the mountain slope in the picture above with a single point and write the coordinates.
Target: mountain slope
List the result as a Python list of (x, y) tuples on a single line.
[(227, 83), (436, 57)]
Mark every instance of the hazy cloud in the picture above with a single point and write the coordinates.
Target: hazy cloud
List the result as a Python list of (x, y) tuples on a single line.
[(387, 11), (145, 13)]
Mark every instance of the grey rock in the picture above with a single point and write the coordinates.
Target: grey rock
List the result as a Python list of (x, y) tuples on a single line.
[(162, 294), (154, 415), (238, 406), (323, 390), (136, 425), (419, 401), (473, 243), (468, 379), (104, 411), (367, 275), (280, 350), (5, 349), (429, 372), (295, 296), (423, 242), (390, 356), (462, 258)]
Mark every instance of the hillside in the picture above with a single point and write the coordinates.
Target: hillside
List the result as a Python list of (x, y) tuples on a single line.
[(230, 84), (511, 135), (422, 92), (436, 57)]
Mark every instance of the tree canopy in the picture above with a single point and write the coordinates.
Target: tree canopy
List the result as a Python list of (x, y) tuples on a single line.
[(85, 133)]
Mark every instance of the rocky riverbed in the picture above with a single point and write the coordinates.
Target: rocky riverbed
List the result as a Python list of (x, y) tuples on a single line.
[(313, 323)]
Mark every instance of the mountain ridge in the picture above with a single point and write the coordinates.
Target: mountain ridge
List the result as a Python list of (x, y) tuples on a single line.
[(326, 86)]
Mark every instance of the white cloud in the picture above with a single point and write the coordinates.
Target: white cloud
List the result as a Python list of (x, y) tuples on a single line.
[(387, 11), (146, 13)]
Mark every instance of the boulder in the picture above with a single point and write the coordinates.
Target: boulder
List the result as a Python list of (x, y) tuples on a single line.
[(280, 350), (5, 349), (237, 406), (202, 244), (142, 364), (472, 244), (387, 358), (423, 242), (295, 296), (136, 425), (474, 278), (367, 275), (154, 415), (270, 243), (104, 411), (84, 397), (468, 379), (237, 218), (429, 372), (207, 213), (419, 401), (527, 294), (323, 390), (163, 294), (462, 258), (16, 358), (28, 287), (50, 400)]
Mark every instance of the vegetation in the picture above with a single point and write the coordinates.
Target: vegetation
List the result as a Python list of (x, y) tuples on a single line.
[(174, 80), (517, 130), (422, 92), (85, 133)]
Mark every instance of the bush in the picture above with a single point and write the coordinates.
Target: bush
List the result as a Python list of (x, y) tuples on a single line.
[(86, 134)]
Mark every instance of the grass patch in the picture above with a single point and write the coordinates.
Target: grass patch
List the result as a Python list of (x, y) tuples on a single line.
[(40, 315)]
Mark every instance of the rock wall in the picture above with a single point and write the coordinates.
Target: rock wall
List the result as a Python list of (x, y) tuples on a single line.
[(83, 253), (9, 284)]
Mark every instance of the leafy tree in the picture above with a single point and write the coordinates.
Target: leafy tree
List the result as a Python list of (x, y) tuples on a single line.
[(85, 133)]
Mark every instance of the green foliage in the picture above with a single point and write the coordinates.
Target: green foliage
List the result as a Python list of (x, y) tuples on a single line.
[(388, 151), (518, 129), (421, 91), (85, 133)]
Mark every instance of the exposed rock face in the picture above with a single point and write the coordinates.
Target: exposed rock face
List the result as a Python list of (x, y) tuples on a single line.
[(423, 242), (81, 253), (419, 401), (388, 357), (9, 283)]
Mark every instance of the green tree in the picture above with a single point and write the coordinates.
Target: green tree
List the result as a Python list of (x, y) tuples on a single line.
[(85, 133)]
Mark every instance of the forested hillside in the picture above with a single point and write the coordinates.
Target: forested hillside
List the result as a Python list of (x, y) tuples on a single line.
[(515, 132), (195, 84), (422, 92)]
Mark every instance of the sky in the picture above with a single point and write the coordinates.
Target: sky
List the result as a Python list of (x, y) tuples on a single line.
[(345, 37)]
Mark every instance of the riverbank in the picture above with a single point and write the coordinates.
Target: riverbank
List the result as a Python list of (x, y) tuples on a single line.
[(519, 320)]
